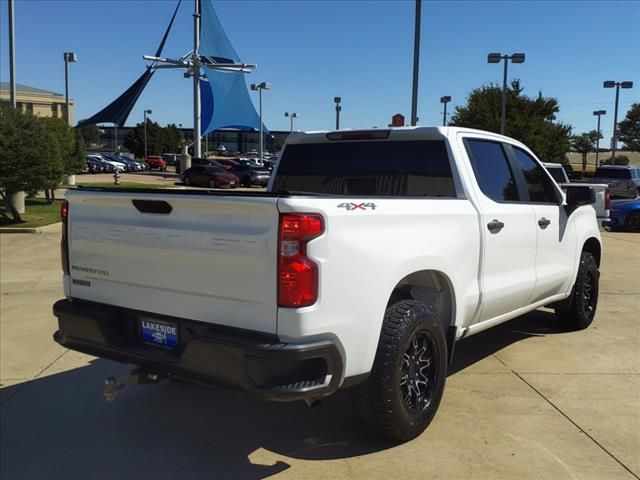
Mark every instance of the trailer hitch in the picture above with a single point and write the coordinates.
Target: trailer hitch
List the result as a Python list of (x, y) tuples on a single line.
[(113, 386)]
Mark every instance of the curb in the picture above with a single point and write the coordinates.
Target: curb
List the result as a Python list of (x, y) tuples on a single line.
[(20, 230)]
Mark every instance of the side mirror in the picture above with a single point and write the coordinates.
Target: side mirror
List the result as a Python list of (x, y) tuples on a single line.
[(578, 196)]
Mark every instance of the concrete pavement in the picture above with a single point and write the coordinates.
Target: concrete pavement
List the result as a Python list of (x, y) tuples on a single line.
[(526, 399)]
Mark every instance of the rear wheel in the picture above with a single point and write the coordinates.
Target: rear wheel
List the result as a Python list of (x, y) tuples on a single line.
[(632, 222), (187, 181), (403, 392), (584, 296), (246, 182), (212, 183)]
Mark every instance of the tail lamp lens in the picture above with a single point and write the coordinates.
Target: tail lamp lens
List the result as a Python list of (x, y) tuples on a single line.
[(297, 273)]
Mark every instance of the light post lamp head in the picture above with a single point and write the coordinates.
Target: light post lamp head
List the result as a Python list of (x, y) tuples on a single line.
[(148, 112), (600, 112), (626, 84), (494, 57), (337, 99), (609, 84), (517, 58), (445, 99), (286, 114), (70, 57)]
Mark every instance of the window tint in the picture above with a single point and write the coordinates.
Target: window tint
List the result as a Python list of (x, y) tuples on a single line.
[(492, 170), (367, 168), (604, 172), (557, 173), (541, 188)]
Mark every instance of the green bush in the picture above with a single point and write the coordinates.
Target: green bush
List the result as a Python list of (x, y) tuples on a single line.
[(618, 160)]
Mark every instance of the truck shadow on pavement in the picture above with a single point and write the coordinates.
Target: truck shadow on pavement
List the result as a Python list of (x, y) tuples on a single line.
[(61, 426)]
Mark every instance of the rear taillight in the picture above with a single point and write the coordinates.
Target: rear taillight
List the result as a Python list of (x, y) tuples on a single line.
[(64, 243), (607, 199), (297, 273)]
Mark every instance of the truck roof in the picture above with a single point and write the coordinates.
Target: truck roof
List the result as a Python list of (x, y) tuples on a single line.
[(394, 133)]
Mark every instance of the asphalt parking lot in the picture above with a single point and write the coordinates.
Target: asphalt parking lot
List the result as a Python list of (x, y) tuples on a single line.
[(525, 400)]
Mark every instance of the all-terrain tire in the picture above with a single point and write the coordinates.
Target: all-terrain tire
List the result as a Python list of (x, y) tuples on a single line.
[(403, 392), (584, 296)]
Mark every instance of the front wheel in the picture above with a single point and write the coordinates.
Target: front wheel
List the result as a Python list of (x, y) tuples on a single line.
[(212, 183), (403, 392), (187, 181), (584, 296)]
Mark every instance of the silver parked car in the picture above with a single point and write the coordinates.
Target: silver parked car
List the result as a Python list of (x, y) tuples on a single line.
[(623, 181)]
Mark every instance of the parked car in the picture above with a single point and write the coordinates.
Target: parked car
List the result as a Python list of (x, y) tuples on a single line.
[(108, 167), (625, 215), (94, 166), (250, 175), (132, 164), (601, 191), (171, 158), (156, 162), (125, 164), (209, 175), (623, 181)]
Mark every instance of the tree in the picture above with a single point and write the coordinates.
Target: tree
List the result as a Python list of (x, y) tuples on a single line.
[(159, 140), (585, 143), (91, 134), (34, 154), (20, 155), (629, 129), (529, 120)]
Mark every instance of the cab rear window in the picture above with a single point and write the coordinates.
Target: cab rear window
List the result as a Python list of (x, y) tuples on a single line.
[(389, 168)]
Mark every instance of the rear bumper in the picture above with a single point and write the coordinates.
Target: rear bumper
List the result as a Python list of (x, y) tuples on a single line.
[(253, 362)]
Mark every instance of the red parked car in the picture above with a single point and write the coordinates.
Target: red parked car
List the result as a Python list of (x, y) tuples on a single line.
[(226, 164), (210, 176), (156, 161)]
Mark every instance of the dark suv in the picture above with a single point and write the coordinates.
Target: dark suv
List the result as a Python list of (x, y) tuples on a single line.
[(623, 181)]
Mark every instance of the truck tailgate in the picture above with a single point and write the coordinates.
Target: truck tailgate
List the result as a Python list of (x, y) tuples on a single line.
[(212, 258)]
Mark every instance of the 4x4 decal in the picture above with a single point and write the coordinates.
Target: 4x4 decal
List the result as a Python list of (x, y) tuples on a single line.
[(358, 206)]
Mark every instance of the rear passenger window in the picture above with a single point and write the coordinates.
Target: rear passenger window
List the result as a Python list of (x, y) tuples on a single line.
[(492, 170), (539, 185)]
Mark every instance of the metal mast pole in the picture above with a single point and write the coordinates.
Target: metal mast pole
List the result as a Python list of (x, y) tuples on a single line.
[(12, 56), (416, 65), (614, 143), (444, 116), (197, 134), (503, 114)]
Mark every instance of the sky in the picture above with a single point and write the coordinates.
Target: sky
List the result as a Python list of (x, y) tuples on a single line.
[(311, 51)]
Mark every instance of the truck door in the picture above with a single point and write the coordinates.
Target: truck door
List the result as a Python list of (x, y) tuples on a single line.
[(508, 230), (556, 245)]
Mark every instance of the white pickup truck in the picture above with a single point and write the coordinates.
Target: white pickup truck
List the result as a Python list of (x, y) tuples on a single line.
[(368, 256)]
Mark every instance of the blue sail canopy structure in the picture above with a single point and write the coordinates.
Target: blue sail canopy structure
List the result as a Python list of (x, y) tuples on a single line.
[(118, 111), (224, 98)]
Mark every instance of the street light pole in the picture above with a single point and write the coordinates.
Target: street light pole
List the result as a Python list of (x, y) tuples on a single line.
[(291, 115), (496, 58), (614, 139), (69, 57), (146, 112), (445, 100), (416, 64), (12, 57), (598, 113), (337, 101), (260, 87)]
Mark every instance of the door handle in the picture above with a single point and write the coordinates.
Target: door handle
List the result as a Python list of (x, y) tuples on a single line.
[(495, 226), (544, 223)]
